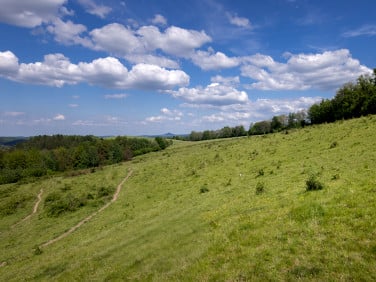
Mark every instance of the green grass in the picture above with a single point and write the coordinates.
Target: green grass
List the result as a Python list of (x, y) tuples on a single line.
[(221, 210)]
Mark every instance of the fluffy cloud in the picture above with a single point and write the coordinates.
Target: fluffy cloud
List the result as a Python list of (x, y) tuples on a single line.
[(325, 71), (159, 20), (95, 9), (59, 117), (227, 117), (166, 115), (126, 42), (144, 76), (28, 13), (57, 70), (231, 80), (266, 108), (239, 21), (174, 40), (68, 32), (152, 60), (147, 44), (252, 111), (214, 94), (8, 64), (116, 39), (208, 60)]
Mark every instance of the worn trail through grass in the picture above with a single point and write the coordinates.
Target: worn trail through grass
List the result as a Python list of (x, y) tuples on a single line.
[(35, 208), (78, 225)]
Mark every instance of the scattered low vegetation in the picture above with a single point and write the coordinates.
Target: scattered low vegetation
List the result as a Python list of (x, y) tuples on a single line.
[(167, 226)]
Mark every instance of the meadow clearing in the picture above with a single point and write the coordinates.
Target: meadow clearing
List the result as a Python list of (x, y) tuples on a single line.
[(220, 210)]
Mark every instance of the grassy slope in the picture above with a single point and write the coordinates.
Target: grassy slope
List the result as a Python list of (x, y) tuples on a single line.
[(163, 228)]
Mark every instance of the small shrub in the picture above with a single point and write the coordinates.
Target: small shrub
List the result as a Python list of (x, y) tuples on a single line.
[(260, 188), (261, 172), (333, 145), (37, 250), (204, 189), (312, 184), (103, 191), (335, 177)]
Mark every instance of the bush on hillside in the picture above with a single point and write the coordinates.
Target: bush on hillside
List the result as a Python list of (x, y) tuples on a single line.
[(204, 189), (57, 205), (260, 188), (312, 184)]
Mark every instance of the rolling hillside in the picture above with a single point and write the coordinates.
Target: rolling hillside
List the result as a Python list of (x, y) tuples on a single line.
[(221, 210)]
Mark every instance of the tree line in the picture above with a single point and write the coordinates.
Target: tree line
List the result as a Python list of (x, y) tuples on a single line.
[(277, 123), (351, 100), (225, 132), (43, 155)]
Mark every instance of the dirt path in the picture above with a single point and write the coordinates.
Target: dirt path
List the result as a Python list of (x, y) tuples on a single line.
[(35, 208), (74, 228)]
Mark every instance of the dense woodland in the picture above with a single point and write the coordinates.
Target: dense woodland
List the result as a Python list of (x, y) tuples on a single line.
[(351, 100), (43, 155)]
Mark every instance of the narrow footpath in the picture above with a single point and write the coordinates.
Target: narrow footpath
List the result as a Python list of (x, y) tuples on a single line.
[(35, 208), (74, 228)]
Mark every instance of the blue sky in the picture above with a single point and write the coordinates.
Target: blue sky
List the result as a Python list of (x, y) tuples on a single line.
[(156, 66)]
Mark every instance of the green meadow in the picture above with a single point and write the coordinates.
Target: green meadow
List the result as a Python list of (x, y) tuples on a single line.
[(220, 210)]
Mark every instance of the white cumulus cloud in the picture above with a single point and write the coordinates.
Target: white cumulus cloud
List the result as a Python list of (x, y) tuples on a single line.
[(8, 64), (208, 60), (324, 71), (140, 46), (166, 115), (57, 70), (68, 32), (59, 117), (159, 20), (230, 80), (239, 21), (28, 13), (213, 94)]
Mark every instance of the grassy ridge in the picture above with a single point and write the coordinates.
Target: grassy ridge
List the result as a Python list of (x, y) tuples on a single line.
[(166, 226)]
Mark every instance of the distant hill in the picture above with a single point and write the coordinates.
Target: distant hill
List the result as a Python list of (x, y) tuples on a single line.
[(11, 141)]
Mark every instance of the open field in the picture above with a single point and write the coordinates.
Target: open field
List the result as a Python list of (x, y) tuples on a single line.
[(221, 210)]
